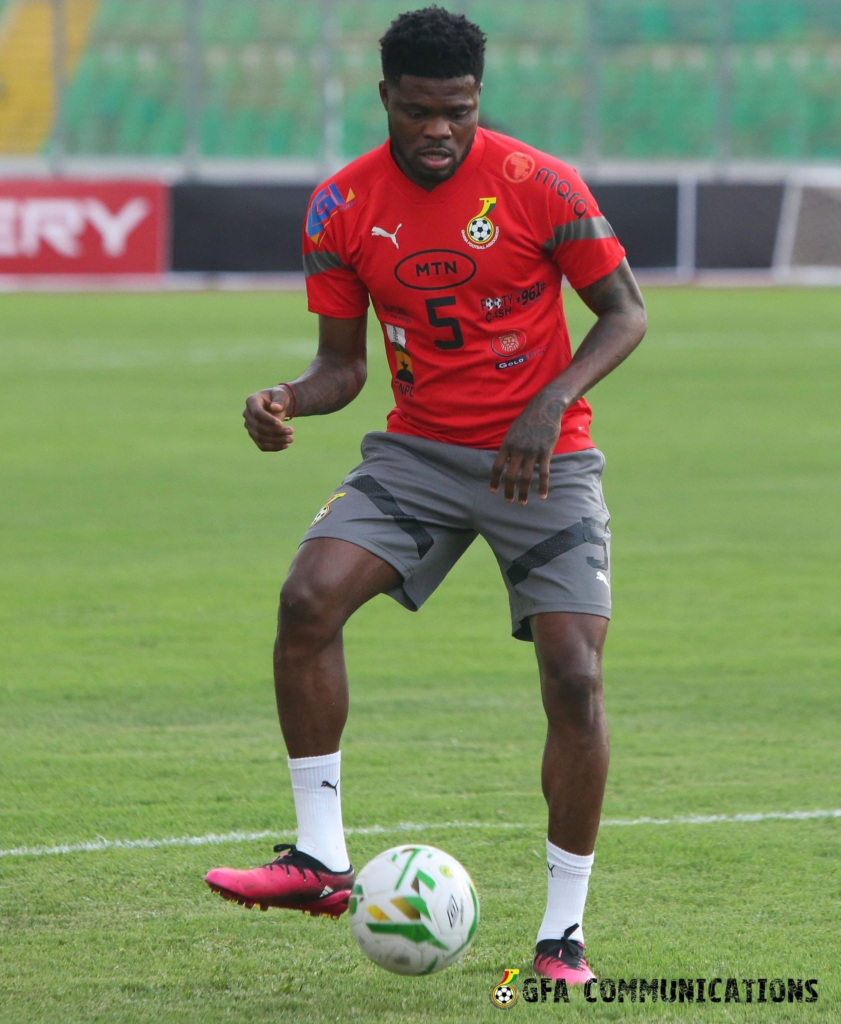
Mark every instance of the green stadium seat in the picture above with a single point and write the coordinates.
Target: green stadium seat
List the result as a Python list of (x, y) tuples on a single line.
[(134, 127), (279, 134), (210, 131), (168, 135), (243, 133), (308, 25), (654, 23), (261, 85)]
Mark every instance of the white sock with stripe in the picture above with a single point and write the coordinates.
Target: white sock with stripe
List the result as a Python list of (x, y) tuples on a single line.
[(318, 806), (569, 877)]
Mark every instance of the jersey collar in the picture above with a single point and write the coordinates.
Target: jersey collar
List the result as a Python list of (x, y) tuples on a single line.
[(441, 193)]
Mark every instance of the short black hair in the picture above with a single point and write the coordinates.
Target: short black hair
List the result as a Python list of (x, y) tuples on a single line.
[(433, 43)]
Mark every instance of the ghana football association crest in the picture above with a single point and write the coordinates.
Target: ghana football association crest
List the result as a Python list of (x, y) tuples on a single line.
[(481, 232), (504, 993), (325, 509)]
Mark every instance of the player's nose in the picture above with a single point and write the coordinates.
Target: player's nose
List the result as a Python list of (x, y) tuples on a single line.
[(438, 128)]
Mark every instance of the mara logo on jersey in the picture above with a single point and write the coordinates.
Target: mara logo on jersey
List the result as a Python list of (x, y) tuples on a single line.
[(326, 202), (481, 231), (564, 191)]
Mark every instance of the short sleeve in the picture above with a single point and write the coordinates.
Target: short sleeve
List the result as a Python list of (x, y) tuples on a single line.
[(582, 242), (333, 286)]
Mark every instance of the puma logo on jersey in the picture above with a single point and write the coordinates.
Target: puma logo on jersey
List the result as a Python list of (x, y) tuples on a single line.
[(601, 576), (382, 233)]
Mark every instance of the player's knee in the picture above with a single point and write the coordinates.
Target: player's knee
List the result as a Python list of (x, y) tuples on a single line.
[(572, 695), (307, 613)]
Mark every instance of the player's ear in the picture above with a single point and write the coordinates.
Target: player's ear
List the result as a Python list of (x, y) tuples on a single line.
[(383, 93)]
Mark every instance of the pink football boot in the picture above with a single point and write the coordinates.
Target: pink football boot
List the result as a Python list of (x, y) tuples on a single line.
[(563, 959), (292, 881)]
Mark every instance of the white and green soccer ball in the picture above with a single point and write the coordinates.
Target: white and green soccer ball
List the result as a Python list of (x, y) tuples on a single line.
[(414, 910)]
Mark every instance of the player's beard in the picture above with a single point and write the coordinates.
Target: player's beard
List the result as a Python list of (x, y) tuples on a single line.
[(418, 170)]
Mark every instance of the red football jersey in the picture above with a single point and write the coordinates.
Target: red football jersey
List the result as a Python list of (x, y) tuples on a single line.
[(465, 281)]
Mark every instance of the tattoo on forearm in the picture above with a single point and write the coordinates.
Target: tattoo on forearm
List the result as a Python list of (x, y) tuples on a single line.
[(611, 339), (620, 327), (325, 387), (537, 427)]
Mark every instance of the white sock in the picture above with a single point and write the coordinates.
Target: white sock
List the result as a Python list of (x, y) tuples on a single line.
[(315, 786), (569, 876)]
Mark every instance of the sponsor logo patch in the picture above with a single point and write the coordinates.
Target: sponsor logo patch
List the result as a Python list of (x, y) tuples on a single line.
[(500, 306), (509, 344), (398, 312), (404, 375), (519, 360), (518, 167), (382, 233), (564, 190), (326, 202), (433, 269), (396, 335)]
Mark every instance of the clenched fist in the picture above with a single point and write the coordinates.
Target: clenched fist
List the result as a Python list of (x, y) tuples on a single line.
[(263, 415)]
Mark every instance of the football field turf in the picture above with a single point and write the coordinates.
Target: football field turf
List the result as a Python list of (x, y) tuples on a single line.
[(143, 539)]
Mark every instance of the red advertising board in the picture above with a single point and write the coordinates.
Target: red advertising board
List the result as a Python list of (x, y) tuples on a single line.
[(83, 227)]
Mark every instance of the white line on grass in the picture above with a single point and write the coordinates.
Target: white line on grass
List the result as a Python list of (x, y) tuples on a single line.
[(78, 355), (747, 340), (219, 839)]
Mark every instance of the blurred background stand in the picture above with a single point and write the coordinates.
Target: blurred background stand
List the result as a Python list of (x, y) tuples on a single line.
[(652, 100)]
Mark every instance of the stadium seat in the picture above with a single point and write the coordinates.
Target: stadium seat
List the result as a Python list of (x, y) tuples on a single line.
[(658, 77)]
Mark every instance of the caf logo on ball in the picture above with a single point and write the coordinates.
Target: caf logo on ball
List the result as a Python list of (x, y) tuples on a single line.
[(481, 231)]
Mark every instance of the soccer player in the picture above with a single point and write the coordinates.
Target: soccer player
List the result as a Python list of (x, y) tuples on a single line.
[(459, 237)]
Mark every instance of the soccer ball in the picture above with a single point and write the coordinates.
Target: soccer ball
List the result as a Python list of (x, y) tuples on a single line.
[(504, 994), (480, 229), (414, 910)]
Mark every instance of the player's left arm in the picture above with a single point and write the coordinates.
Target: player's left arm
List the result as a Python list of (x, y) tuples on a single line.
[(620, 326)]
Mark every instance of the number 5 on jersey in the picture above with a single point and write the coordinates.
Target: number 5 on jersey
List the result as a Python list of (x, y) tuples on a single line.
[(432, 307)]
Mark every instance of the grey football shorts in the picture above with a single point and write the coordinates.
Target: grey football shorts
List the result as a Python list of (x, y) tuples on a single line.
[(419, 504)]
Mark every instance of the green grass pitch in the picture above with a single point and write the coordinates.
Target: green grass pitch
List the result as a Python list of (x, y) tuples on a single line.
[(143, 540)]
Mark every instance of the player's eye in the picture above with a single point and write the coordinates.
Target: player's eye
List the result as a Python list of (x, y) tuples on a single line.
[(457, 115)]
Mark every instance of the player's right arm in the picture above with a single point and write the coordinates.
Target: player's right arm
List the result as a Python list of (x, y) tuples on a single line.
[(335, 292), (332, 380)]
